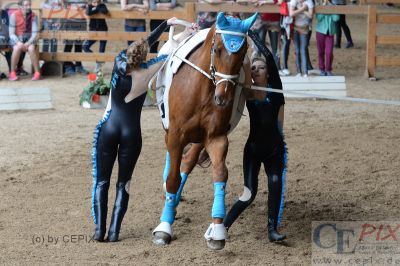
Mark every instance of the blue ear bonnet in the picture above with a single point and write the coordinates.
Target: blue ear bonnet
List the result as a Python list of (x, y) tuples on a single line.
[(233, 43)]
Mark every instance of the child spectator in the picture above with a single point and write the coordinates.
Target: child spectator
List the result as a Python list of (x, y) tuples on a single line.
[(23, 30), (135, 25), (95, 7), (326, 30)]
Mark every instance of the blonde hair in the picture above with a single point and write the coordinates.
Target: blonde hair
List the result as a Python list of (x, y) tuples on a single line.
[(137, 53), (258, 57)]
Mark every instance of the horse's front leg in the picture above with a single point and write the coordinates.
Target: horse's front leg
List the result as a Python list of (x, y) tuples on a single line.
[(216, 234), (163, 233)]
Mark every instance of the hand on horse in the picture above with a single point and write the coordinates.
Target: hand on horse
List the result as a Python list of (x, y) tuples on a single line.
[(193, 28), (172, 21)]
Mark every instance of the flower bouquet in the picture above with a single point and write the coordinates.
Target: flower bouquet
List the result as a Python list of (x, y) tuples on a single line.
[(95, 94)]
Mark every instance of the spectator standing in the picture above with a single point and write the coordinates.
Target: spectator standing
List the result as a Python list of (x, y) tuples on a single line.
[(341, 24), (96, 7), (270, 24), (162, 5), (53, 24), (326, 29), (23, 29), (135, 25), (286, 36), (74, 24), (302, 11)]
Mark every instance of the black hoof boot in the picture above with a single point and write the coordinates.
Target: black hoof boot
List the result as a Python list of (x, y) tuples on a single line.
[(273, 234), (120, 207), (100, 210), (99, 236), (112, 237)]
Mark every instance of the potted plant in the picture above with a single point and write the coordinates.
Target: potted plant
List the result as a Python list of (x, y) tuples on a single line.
[(95, 94)]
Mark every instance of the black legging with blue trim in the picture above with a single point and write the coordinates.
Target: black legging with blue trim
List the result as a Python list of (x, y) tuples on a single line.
[(265, 145), (118, 133)]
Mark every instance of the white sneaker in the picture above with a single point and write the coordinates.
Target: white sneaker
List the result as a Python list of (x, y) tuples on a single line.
[(286, 72), (305, 76), (298, 75), (313, 71)]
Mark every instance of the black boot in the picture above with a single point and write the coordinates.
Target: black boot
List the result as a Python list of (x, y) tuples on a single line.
[(274, 205), (120, 207), (100, 210), (273, 234)]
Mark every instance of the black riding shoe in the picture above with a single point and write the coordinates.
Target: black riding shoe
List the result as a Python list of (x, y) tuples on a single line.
[(100, 210), (273, 234), (120, 207)]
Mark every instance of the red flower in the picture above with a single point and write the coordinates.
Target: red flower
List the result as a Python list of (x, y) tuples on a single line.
[(92, 77), (96, 98)]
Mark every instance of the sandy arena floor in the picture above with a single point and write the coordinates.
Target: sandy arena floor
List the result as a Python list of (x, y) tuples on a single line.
[(344, 164)]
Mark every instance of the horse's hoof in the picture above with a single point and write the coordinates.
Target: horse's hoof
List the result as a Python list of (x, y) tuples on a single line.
[(161, 238), (216, 244)]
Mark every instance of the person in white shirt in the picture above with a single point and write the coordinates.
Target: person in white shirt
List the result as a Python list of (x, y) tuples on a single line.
[(302, 11)]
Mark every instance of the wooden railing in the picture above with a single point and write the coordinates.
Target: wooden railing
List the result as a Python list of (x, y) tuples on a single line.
[(188, 12), (373, 40)]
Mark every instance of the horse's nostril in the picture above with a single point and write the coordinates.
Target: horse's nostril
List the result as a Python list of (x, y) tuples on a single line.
[(218, 100)]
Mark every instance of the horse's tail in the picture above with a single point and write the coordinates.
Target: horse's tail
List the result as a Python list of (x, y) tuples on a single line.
[(204, 160)]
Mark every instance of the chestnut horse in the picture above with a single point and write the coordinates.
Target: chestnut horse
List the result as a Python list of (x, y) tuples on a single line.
[(200, 106)]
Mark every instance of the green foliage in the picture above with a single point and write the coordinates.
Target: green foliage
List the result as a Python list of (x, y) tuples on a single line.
[(99, 86)]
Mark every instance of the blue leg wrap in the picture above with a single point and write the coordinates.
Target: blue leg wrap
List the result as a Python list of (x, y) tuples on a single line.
[(282, 205), (166, 168), (178, 194), (218, 208), (168, 213)]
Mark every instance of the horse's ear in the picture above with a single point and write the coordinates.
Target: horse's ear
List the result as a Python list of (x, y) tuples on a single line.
[(247, 23), (221, 20)]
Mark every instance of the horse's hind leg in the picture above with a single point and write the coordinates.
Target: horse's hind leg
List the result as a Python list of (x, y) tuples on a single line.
[(163, 232), (189, 161), (216, 234)]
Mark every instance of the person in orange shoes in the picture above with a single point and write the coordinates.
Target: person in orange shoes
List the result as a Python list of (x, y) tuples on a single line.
[(23, 31)]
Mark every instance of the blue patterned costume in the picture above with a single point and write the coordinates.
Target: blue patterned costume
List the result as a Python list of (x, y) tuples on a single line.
[(118, 134)]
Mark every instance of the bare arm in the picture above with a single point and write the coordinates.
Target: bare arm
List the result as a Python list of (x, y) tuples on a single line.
[(293, 12), (126, 7)]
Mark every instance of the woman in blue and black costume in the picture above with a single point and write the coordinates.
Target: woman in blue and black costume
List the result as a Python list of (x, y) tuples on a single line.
[(118, 132), (265, 144)]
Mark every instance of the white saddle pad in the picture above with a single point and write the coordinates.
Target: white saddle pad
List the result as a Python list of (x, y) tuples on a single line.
[(166, 74)]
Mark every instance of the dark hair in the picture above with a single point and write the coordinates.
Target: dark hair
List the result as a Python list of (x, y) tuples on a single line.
[(137, 53)]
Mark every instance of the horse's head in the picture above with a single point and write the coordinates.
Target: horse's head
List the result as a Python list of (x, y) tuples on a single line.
[(228, 48)]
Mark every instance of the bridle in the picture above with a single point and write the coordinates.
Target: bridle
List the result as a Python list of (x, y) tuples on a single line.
[(213, 72)]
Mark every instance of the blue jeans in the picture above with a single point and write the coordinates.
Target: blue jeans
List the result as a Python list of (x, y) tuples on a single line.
[(133, 29), (301, 46)]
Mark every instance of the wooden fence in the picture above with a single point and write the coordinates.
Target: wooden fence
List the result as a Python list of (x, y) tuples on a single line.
[(188, 12), (373, 40)]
